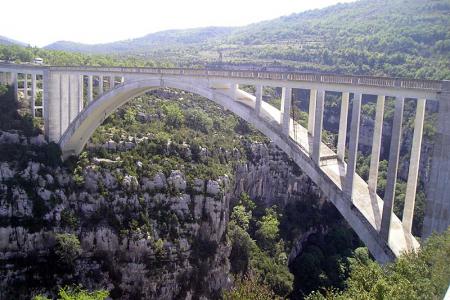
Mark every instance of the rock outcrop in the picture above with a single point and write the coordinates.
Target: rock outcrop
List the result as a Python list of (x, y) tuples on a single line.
[(141, 238)]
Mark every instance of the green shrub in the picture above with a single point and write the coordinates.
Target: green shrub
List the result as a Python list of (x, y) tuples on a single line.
[(174, 115), (198, 120), (249, 288), (77, 293), (67, 248)]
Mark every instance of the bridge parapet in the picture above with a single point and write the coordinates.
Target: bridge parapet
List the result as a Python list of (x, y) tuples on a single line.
[(375, 81)]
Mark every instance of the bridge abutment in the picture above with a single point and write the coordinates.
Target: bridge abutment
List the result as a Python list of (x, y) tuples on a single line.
[(437, 213)]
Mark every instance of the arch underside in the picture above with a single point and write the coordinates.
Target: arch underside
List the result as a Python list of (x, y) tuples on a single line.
[(363, 212)]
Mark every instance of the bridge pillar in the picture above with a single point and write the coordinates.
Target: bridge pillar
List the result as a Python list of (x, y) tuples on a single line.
[(15, 83), (258, 94), (80, 93), (414, 162), (74, 96), (100, 84), (61, 102), (2, 78), (312, 111), (52, 105), (64, 102), (25, 86), (391, 180), (112, 82), (353, 145), (437, 213), (33, 95), (376, 145), (342, 136), (286, 101), (90, 86), (318, 123)]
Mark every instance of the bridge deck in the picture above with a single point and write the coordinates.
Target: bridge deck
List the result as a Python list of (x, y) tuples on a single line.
[(370, 205)]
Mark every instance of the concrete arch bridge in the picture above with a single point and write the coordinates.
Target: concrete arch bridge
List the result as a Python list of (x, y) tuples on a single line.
[(71, 115)]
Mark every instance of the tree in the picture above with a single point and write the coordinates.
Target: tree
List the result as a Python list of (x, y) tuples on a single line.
[(198, 120), (268, 231), (241, 216), (174, 115), (67, 248)]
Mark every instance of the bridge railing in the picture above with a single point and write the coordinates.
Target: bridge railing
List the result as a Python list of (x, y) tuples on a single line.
[(374, 81)]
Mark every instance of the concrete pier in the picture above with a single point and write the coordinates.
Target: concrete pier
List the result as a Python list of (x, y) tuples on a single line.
[(25, 86), (376, 144), (413, 174), (437, 212), (100, 85), (80, 93), (342, 136), (318, 124), (33, 95), (353, 145), (312, 111), (90, 89), (258, 95), (15, 83), (389, 193), (286, 101)]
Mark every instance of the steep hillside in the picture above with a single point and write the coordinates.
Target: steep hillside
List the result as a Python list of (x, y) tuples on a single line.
[(407, 38), (150, 42), (399, 37)]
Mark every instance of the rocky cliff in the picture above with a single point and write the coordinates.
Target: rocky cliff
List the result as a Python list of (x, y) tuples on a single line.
[(155, 237)]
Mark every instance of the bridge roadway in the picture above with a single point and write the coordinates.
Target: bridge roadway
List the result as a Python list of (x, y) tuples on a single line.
[(71, 115)]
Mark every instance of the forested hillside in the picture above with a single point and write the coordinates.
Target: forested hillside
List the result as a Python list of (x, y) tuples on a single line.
[(407, 38)]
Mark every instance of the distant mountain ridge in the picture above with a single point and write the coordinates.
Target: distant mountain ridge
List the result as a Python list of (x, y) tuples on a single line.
[(159, 39), (7, 41)]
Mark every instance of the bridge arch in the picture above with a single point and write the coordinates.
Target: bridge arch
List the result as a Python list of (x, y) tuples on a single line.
[(83, 126)]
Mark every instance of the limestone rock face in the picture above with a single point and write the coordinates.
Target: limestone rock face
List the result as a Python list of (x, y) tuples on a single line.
[(160, 181), (176, 180), (271, 178), (9, 138), (130, 183), (38, 140), (213, 187), (5, 171), (141, 237)]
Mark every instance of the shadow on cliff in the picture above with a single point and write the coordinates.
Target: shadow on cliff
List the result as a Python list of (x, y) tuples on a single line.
[(17, 126), (10, 118)]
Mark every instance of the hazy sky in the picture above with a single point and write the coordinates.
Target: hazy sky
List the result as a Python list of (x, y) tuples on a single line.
[(40, 22)]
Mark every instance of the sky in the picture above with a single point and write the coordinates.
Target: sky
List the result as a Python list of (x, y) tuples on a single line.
[(42, 22)]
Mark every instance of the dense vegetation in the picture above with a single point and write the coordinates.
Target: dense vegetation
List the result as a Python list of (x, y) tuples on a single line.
[(407, 38), (422, 275), (257, 249)]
